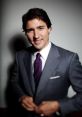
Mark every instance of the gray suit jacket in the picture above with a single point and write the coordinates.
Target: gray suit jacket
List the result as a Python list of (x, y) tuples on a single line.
[(61, 70)]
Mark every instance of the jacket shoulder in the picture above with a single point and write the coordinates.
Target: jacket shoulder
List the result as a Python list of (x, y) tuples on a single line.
[(65, 52), (24, 52)]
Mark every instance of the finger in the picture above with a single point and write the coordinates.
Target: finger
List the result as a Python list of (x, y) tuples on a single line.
[(29, 102), (29, 105), (30, 99), (27, 108), (38, 110), (42, 115), (44, 102)]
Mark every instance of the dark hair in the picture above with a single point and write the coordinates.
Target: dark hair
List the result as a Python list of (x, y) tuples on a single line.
[(35, 13)]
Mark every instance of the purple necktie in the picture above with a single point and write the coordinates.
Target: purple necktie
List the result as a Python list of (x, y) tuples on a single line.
[(37, 69)]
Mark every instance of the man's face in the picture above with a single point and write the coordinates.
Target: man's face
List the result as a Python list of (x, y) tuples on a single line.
[(37, 33)]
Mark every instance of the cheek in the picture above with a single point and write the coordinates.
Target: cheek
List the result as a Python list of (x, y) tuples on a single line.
[(45, 34), (30, 37)]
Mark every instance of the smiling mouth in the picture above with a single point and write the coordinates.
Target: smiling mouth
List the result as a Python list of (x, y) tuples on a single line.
[(37, 41)]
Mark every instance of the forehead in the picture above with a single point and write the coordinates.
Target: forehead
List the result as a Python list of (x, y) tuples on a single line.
[(35, 23)]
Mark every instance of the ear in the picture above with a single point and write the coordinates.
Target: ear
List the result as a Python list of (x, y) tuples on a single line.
[(50, 29)]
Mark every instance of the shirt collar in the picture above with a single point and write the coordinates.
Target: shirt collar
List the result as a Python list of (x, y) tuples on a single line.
[(45, 51)]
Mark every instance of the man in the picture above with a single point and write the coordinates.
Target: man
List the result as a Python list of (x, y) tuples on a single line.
[(43, 72)]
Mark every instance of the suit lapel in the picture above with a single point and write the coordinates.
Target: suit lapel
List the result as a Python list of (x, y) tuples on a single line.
[(28, 65), (50, 66)]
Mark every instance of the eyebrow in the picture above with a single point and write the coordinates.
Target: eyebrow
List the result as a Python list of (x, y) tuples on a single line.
[(30, 29)]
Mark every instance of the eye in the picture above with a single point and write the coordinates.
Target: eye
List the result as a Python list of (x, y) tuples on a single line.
[(28, 30), (41, 27)]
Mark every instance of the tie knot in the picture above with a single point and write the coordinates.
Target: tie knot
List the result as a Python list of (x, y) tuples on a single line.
[(38, 55)]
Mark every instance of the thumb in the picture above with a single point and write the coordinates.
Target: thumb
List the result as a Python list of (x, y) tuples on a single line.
[(44, 102)]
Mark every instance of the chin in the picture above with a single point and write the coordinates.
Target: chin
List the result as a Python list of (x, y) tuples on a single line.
[(38, 47)]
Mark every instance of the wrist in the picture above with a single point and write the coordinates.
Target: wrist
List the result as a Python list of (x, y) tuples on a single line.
[(58, 109), (57, 106), (21, 98)]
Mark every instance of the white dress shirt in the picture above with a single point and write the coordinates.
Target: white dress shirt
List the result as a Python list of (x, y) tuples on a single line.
[(44, 54)]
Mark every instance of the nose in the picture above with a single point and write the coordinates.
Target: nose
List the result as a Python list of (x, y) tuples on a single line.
[(36, 34)]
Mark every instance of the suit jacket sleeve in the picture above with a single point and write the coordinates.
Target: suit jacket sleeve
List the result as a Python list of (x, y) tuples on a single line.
[(17, 90), (75, 76)]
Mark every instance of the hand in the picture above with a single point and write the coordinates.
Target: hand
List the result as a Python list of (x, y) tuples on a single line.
[(27, 103), (47, 108)]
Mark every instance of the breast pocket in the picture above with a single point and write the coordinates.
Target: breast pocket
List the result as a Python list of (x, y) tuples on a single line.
[(56, 81), (57, 75)]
